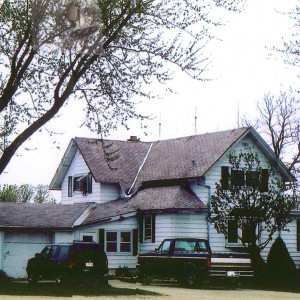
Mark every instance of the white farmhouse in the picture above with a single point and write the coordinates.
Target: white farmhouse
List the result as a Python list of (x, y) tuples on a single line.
[(130, 195)]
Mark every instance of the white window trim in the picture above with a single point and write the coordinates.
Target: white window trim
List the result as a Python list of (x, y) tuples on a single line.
[(119, 242)]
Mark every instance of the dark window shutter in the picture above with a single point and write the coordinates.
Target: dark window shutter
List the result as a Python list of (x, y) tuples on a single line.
[(90, 183), (101, 239), (298, 235), (232, 232), (237, 178), (135, 242), (153, 228), (264, 180), (224, 178), (141, 227), (70, 186)]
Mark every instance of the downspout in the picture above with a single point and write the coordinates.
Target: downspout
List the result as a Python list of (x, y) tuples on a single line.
[(208, 205)]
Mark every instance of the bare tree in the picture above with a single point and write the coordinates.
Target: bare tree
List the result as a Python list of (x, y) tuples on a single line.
[(103, 53)]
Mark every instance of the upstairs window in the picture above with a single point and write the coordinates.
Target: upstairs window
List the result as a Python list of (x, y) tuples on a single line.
[(80, 183), (239, 178)]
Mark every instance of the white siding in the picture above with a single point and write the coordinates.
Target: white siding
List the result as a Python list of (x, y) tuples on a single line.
[(175, 226), (18, 248), (1, 249), (115, 260), (63, 237), (217, 241), (101, 192), (109, 192)]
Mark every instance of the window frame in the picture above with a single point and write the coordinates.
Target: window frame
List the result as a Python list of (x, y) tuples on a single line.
[(80, 183), (147, 238), (119, 242)]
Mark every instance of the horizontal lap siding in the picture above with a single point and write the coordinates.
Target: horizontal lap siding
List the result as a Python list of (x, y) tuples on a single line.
[(175, 226), (78, 166), (213, 176), (118, 259), (109, 192)]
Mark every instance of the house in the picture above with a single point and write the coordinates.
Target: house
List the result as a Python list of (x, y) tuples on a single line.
[(130, 195)]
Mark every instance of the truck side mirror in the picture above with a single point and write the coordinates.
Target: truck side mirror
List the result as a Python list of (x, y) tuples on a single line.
[(38, 255)]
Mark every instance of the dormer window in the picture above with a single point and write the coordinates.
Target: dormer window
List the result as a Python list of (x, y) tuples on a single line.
[(80, 183)]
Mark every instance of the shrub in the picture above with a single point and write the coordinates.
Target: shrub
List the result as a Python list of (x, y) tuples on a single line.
[(280, 267), (123, 272), (3, 277)]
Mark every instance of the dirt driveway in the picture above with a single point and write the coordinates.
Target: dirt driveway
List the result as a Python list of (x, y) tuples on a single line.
[(174, 293)]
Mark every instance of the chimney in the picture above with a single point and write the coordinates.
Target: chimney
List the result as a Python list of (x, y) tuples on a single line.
[(133, 138)]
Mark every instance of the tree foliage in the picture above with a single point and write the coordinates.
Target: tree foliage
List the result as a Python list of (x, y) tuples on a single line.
[(26, 193), (258, 210), (48, 56)]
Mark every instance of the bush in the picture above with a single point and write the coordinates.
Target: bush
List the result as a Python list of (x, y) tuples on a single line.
[(280, 267), (3, 277)]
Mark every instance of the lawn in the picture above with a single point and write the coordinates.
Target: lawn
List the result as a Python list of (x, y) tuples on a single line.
[(51, 289)]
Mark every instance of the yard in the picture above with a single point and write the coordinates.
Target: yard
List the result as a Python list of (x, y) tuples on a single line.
[(132, 291)]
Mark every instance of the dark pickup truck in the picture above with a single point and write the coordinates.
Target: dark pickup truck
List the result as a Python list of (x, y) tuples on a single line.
[(191, 260)]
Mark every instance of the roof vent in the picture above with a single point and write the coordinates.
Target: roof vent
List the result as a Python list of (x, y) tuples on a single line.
[(133, 138)]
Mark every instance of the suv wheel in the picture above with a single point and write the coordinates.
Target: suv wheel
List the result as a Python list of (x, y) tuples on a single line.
[(59, 279), (32, 278)]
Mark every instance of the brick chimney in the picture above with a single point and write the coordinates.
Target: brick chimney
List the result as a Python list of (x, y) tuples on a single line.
[(133, 138)]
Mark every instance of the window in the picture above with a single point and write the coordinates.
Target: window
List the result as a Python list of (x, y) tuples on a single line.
[(164, 248), (125, 242), (254, 179), (232, 237), (87, 238), (237, 178), (147, 228), (119, 241), (185, 246), (80, 183), (298, 235), (111, 241), (64, 252)]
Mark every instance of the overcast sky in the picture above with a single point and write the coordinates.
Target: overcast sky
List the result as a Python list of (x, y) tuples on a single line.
[(244, 69)]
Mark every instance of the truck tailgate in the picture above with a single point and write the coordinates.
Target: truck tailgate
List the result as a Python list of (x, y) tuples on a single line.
[(230, 265)]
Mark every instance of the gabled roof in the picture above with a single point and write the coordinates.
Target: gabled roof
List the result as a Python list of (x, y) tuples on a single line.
[(40, 216), (132, 163)]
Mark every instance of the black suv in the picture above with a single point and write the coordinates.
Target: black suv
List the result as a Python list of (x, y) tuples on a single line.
[(66, 263)]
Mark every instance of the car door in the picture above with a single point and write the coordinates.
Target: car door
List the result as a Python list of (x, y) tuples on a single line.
[(163, 259)]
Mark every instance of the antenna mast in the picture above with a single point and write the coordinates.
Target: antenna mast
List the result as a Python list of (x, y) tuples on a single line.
[(159, 127), (195, 120), (238, 115)]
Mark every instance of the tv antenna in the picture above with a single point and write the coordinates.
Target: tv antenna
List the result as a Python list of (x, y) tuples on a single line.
[(159, 127), (196, 120)]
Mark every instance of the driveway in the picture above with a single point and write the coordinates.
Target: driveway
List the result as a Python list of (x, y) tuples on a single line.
[(168, 293)]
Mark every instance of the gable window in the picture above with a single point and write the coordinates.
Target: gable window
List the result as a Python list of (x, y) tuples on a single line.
[(239, 178), (80, 183), (118, 241)]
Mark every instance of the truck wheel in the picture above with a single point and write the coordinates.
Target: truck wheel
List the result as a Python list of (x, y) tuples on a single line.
[(191, 278), (32, 278)]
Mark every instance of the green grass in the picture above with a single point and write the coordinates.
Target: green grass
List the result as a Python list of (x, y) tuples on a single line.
[(54, 290)]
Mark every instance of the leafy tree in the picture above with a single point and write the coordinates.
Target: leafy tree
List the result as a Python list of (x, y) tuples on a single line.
[(9, 193), (25, 193), (43, 195), (253, 198), (104, 53)]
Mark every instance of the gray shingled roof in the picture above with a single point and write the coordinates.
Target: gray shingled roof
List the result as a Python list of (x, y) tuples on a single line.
[(166, 198), (168, 159), (47, 216), (126, 159), (187, 157)]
